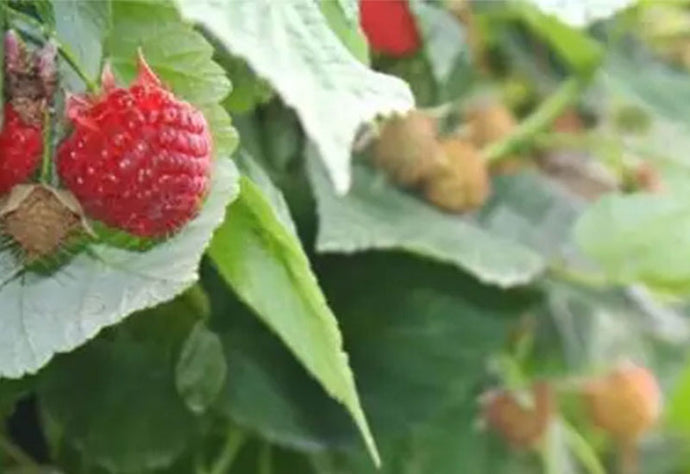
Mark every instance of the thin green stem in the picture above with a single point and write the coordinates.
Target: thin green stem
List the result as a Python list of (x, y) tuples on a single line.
[(76, 67), (592, 280), (233, 443), (265, 462), (582, 141), (64, 52), (582, 449), (19, 456), (549, 462), (47, 160), (628, 462), (549, 110)]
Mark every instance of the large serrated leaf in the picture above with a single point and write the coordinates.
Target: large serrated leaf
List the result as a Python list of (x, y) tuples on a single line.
[(376, 215), (291, 45), (262, 259), (48, 313)]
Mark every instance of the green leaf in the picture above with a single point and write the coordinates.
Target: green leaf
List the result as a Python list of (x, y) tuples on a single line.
[(632, 77), (586, 328), (201, 370), (178, 54), (451, 444), (417, 333), (580, 51), (248, 89), (56, 312), (640, 238), (81, 28), (531, 209), (343, 18), (114, 400), (377, 215), (11, 391), (444, 39), (269, 392), (290, 44), (264, 262), (677, 410)]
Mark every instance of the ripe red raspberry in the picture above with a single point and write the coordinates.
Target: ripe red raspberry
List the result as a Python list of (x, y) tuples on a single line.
[(138, 159), (389, 26), (21, 146)]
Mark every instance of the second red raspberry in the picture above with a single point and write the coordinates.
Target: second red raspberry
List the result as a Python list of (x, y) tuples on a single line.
[(21, 145)]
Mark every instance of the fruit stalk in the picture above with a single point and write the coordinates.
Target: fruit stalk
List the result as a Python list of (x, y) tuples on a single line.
[(233, 444), (567, 93), (627, 458)]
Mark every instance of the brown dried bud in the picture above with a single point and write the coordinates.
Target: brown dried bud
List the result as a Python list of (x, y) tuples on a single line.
[(16, 57), (46, 68), (40, 219), (30, 79)]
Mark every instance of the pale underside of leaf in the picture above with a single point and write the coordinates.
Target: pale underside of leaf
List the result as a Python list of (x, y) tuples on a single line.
[(44, 314), (376, 215), (290, 44)]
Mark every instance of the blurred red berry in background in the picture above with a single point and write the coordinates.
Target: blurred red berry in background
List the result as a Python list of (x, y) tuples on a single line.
[(389, 26)]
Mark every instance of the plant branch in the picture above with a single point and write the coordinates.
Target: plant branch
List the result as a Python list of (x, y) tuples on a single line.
[(64, 52), (548, 111), (233, 443)]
